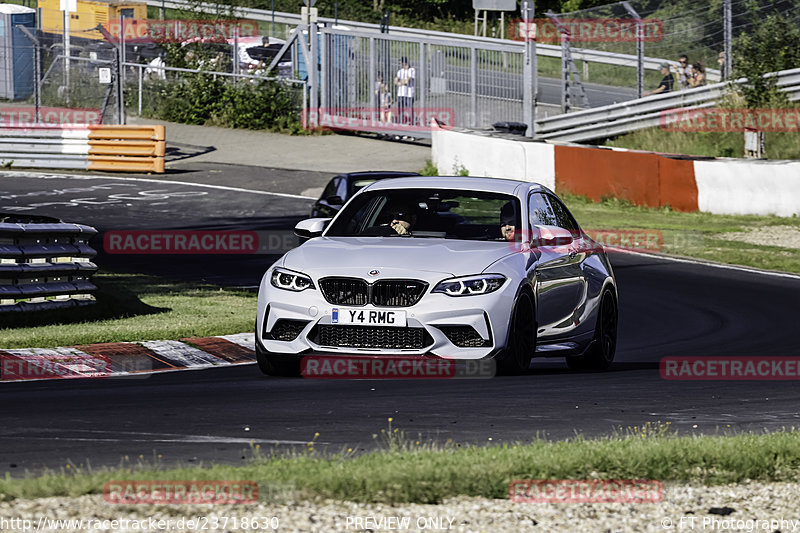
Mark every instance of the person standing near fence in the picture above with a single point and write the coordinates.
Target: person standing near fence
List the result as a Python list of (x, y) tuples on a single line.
[(698, 78), (405, 80), (667, 82), (384, 99), (721, 62), (684, 71)]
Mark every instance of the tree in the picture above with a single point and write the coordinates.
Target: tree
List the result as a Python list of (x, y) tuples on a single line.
[(773, 45)]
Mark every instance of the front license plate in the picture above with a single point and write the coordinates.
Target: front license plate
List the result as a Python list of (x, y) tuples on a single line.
[(368, 317)]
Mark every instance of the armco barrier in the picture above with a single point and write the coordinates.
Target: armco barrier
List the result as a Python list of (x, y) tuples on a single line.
[(685, 183), (78, 146), (44, 263)]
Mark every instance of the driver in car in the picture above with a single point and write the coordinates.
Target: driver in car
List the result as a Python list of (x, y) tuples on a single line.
[(402, 220), (508, 222)]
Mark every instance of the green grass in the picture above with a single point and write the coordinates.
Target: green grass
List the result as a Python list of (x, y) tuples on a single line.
[(135, 308), (408, 470), (777, 145), (696, 235)]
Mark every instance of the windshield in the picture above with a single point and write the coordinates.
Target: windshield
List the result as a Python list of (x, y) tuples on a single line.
[(431, 213)]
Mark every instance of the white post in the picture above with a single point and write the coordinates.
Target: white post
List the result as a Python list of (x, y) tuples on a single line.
[(66, 52)]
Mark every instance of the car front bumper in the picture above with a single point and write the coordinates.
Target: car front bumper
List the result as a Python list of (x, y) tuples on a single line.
[(466, 327)]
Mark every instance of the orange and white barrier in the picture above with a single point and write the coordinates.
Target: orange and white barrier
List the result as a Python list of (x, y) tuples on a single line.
[(84, 147), (685, 183)]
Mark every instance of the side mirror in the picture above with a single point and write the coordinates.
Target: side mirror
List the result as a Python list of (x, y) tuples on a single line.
[(335, 200), (550, 236), (310, 228)]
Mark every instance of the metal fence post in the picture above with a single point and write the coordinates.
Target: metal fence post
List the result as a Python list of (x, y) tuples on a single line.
[(529, 75), (313, 69), (37, 71), (727, 15), (140, 89), (374, 90), (473, 86), (565, 70), (639, 47), (116, 71), (123, 52), (422, 83), (325, 67), (67, 53), (236, 64)]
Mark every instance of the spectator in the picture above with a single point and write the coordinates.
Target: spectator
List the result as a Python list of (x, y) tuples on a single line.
[(698, 78), (384, 99), (721, 62), (405, 80), (155, 70), (667, 81), (684, 71)]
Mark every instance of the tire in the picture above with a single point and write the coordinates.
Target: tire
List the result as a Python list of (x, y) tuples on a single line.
[(517, 356), (277, 365), (600, 354)]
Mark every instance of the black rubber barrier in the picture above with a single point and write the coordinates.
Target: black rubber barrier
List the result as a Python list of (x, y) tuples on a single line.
[(44, 263)]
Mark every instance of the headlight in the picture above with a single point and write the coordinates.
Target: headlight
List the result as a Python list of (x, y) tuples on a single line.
[(469, 285), (290, 281)]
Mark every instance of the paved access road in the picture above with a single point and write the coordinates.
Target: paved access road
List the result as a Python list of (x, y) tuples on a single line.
[(667, 308)]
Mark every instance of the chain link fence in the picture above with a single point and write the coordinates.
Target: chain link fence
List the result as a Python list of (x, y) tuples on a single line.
[(101, 80), (671, 29), (407, 81)]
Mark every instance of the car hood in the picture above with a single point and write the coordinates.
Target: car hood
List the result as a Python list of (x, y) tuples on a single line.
[(394, 257)]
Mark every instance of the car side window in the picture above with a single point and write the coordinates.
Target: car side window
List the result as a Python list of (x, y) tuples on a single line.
[(330, 189), (341, 189), (540, 212), (563, 217)]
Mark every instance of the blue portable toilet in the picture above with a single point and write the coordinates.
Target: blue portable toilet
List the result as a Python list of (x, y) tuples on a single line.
[(16, 51)]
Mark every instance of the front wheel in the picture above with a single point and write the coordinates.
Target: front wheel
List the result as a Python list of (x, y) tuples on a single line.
[(516, 358), (600, 354), (273, 364)]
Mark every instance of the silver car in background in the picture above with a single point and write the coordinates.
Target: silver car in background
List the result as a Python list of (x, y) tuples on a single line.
[(452, 267)]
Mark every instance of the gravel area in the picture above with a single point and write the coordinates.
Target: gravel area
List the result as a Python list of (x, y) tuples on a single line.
[(685, 507), (783, 236)]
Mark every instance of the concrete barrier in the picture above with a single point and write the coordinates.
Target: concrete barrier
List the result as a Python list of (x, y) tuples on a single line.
[(684, 183), (78, 146)]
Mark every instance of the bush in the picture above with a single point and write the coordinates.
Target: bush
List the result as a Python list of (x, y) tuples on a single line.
[(204, 99)]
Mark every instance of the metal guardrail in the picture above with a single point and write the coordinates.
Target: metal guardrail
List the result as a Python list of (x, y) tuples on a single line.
[(84, 147), (601, 122), (44, 264), (546, 50)]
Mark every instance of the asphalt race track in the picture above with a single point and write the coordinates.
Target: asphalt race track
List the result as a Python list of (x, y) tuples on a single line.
[(667, 308)]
